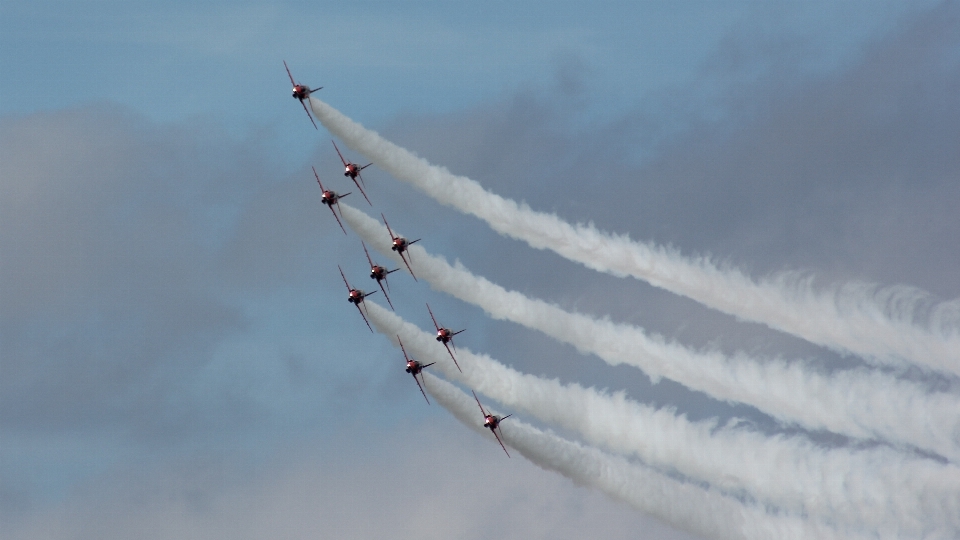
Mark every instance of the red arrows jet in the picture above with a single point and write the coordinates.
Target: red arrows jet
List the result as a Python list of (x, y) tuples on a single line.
[(414, 368), (492, 422), (379, 273), (400, 245), (445, 336), (302, 93), (353, 171), (355, 297), (331, 198)]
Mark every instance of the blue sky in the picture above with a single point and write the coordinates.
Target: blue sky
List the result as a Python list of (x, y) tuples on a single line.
[(172, 305), (219, 60)]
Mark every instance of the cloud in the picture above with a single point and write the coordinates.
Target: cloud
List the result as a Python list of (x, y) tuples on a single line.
[(880, 325), (859, 403), (162, 280), (363, 484), (881, 488), (795, 175), (134, 254)]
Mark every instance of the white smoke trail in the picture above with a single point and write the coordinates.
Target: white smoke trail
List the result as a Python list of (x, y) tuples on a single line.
[(881, 325), (876, 488), (857, 403), (685, 506)]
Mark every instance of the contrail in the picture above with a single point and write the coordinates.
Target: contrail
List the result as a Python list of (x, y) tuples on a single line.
[(877, 488), (882, 325), (858, 403), (684, 506)]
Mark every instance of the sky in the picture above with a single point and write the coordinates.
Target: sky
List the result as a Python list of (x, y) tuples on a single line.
[(176, 354)]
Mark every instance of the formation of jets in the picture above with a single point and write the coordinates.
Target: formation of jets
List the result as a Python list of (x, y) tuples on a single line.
[(399, 244)]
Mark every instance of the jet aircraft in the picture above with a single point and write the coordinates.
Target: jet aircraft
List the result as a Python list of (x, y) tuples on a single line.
[(353, 171), (445, 336), (355, 297), (400, 245), (380, 274), (302, 93), (492, 422), (414, 368), (331, 198)]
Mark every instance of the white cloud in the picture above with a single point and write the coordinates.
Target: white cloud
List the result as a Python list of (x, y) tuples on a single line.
[(430, 481)]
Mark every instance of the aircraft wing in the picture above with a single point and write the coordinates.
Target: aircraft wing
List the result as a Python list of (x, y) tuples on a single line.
[(501, 442), (318, 178), (361, 190), (385, 277), (338, 218), (385, 294), (369, 260), (364, 317), (421, 389), (389, 230), (344, 277), (455, 363), (483, 412), (310, 116), (451, 338), (434, 319), (400, 341), (338, 153), (408, 267), (288, 73)]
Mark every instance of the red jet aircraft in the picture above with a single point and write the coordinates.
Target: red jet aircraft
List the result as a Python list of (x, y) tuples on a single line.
[(379, 273), (414, 368), (353, 171), (331, 198), (400, 244), (302, 93), (445, 336), (355, 297), (492, 422)]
